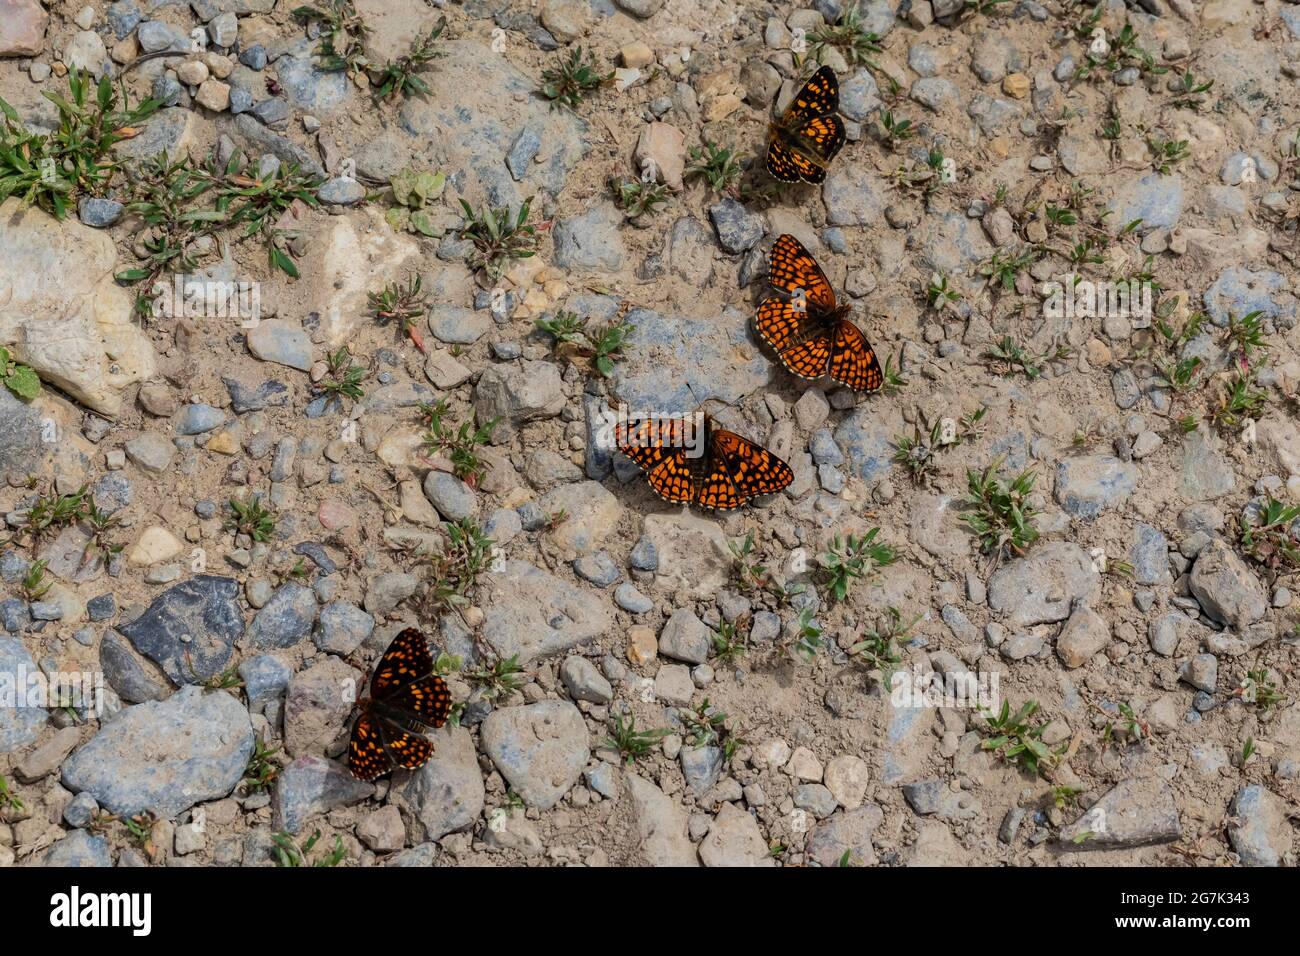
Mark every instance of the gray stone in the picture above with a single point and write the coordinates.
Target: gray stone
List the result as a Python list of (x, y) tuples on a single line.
[(20, 721), (1226, 587), (165, 756), (1087, 485), (1137, 812), (585, 682), (1042, 586), (531, 613), (685, 638), (342, 628), (1259, 827), (190, 630), (446, 794), (286, 619), (310, 787), (539, 748)]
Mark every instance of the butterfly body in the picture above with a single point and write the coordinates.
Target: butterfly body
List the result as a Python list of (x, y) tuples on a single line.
[(706, 465), (406, 700), (802, 143), (808, 327)]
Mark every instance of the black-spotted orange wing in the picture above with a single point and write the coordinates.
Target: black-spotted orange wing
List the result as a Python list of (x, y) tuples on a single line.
[(751, 470), (406, 697), (810, 358), (809, 134), (792, 269), (853, 361), (664, 449)]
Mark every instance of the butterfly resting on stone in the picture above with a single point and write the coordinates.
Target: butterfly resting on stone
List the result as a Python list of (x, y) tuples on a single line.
[(406, 699)]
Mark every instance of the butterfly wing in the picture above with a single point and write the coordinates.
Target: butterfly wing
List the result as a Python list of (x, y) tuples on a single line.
[(406, 661), (810, 358), (824, 136), (649, 441), (792, 269), (779, 323), (408, 750), (427, 700), (853, 361), (819, 97), (367, 757), (752, 469), (672, 479), (783, 164)]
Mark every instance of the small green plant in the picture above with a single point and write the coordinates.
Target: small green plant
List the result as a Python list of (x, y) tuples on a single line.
[(33, 584), (600, 345), (893, 377), (1247, 751), (401, 77), (1122, 51), (258, 202), (289, 854), (414, 191), (1008, 356), (8, 799), (18, 378), (805, 638), (1271, 538), (706, 726), (262, 769), (54, 512), (51, 170), (1191, 91), (895, 129), (1003, 269), (1014, 738), (1167, 153), (453, 570), (638, 197), (729, 642), (498, 237), (719, 166), (343, 35), (1245, 338), (1239, 401), (459, 445), (228, 679), (631, 743), (1064, 797), (1258, 688), (343, 379), (881, 648), (998, 513), (939, 294), (571, 78), (752, 575), (405, 305), (852, 558), (499, 680), (917, 452), (250, 518), (855, 44)]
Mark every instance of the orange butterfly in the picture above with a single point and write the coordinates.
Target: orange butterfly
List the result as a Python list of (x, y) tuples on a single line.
[(701, 465), (809, 134), (406, 698), (810, 331)]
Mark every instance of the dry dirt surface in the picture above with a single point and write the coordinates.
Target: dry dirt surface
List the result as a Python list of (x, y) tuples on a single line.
[(343, 362)]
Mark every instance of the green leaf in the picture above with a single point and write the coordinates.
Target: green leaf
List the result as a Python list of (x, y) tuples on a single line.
[(284, 263), (24, 383)]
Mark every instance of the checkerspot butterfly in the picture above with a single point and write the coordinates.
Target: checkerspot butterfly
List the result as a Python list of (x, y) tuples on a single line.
[(406, 699), (804, 141), (706, 466), (807, 328)]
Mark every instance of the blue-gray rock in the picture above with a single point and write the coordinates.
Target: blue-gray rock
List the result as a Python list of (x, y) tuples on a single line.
[(935, 94), (1260, 830), (867, 442), (80, 810), (1226, 587), (701, 767), (46, 610), (167, 90), (1150, 556), (1137, 812), (100, 213), (738, 229), (154, 35), (685, 638), (21, 717), (598, 568), (22, 452), (101, 608), (253, 57), (1238, 291), (78, 849), (245, 398), (590, 241), (310, 787), (644, 556), (446, 794), (631, 600), (503, 525), (273, 113), (522, 152), (14, 615), (341, 191), (765, 627), (584, 681), (165, 756), (454, 499), (286, 619), (131, 678), (859, 96), (456, 325), (534, 614), (1087, 485), (307, 87), (190, 629), (265, 678), (1155, 199), (1042, 586), (197, 419), (123, 16), (541, 749), (285, 343), (13, 566), (342, 628), (924, 797)]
